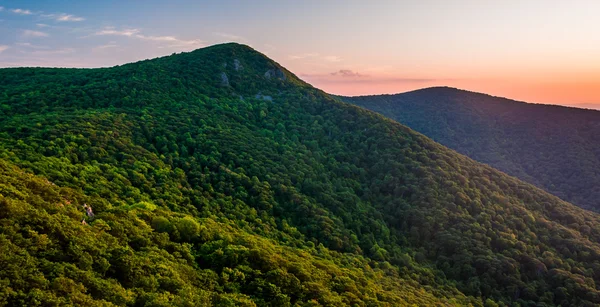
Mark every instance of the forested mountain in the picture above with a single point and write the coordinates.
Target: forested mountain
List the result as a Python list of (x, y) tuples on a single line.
[(553, 147), (216, 177)]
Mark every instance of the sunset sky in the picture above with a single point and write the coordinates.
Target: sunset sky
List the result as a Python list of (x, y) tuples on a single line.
[(537, 51)]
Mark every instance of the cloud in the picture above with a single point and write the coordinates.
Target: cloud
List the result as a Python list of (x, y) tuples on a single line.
[(158, 38), (1, 8), (3, 48), (194, 43), (68, 17), (32, 33), (171, 41), (42, 25), (332, 58), (315, 55), (21, 11), (303, 56), (30, 45), (352, 77), (58, 17), (231, 37), (51, 52), (112, 31), (347, 73), (107, 46), (63, 17)]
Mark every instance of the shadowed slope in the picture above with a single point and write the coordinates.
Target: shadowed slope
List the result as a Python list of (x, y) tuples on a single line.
[(556, 148)]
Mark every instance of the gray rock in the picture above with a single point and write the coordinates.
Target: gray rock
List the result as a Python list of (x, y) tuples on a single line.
[(224, 79), (237, 65), (275, 73), (263, 97)]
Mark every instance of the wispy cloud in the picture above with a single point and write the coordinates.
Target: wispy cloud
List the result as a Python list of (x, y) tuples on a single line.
[(332, 58), (32, 33), (57, 17), (67, 17), (347, 73), (3, 48), (63, 17), (231, 37), (303, 56), (51, 52), (1, 8), (180, 43), (21, 11), (42, 25), (30, 45), (353, 77), (112, 31), (158, 38), (315, 55), (171, 41), (107, 46)]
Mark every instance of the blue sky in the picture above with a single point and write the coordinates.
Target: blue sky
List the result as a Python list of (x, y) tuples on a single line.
[(540, 51)]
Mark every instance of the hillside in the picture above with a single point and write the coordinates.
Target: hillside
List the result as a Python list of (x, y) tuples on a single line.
[(553, 147), (217, 177)]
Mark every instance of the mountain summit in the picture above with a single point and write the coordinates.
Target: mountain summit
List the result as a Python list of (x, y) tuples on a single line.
[(216, 177)]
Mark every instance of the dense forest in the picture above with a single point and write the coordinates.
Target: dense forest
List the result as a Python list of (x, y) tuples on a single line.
[(553, 147), (217, 177)]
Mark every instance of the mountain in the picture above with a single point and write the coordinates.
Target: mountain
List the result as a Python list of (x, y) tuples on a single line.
[(216, 177), (553, 147)]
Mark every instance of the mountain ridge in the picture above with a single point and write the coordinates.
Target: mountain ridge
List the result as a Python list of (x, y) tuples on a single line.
[(509, 135), (454, 90)]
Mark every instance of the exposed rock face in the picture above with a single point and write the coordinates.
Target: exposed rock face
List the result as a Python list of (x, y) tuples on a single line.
[(275, 73), (224, 79), (237, 65), (263, 97)]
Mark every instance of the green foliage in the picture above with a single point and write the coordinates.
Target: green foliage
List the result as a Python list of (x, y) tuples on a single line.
[(188, 229), (212, 194), (50, 258)]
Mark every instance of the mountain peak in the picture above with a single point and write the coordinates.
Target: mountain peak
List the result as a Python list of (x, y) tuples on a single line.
[(232, 67), (445, 90), (227, 48)]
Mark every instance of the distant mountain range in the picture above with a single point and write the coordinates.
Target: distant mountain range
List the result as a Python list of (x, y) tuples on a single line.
[(553, 147), (217, 177)]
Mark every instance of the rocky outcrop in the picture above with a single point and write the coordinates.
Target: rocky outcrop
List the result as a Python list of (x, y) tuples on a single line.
[(263, 97), (224, 79), (237, 65), (275, 73)]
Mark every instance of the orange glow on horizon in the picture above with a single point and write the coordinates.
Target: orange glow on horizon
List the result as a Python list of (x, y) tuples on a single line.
[(567, 93)]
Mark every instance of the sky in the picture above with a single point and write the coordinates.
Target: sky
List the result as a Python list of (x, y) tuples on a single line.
[(530, 50)]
